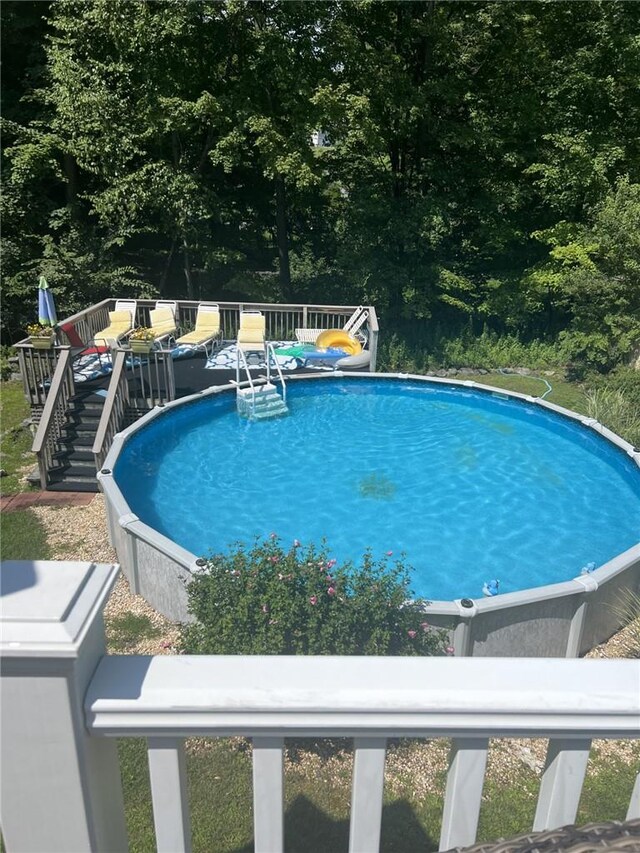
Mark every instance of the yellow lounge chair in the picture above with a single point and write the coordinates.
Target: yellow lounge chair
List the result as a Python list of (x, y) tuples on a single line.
[(163, 320), (121, 323), (207, 330), (251, 332)]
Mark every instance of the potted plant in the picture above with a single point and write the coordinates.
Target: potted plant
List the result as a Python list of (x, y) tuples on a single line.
[(141, 339), (41, 337)]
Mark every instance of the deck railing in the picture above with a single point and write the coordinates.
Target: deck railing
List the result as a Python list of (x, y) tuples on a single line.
[(151, 380), (37, 367), (54, 416), (65, 702), (154, 383), (114, 413)]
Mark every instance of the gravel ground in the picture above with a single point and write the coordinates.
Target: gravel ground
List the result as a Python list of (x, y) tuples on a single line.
[(413, 768), (80, 533)]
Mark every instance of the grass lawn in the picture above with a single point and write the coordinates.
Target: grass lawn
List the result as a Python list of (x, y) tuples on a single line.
[(318, 802), (15, 440), (22, 536), (563, 393)]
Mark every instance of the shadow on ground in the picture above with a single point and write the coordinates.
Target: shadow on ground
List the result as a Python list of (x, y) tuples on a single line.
[(307, 829)]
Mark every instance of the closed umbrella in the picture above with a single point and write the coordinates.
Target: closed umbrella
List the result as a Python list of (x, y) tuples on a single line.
[(46, 305)]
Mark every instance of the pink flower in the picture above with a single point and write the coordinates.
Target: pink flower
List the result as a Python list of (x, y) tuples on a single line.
[(389, 553), (331, 564), (412, 633), (449, 650), (296, 543), (425, 626), (274, 559), (331, 591), (273, 536), (265, 608), (314, 599)]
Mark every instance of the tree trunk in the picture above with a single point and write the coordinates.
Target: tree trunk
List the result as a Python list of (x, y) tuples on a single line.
[(71, 174), (167, 267), (282, 237), (187, 267)]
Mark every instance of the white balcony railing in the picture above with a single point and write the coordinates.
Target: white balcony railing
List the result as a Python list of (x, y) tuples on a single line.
[(65, 702)]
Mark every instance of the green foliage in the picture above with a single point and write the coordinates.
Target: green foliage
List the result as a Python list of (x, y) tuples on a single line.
[(165, 148), (419, 349), (624, 379), (15, 438), (5, 366), (611, 407), (270, 600)]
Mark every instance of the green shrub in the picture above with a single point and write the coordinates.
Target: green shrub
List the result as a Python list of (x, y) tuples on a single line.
[(5, 366), (624, 379), (416, 350), (268, 600), (611, 407)]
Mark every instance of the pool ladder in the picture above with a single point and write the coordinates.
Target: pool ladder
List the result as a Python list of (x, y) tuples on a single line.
[(258, 402)]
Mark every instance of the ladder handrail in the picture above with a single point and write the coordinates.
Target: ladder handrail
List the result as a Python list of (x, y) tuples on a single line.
[(114, 406), (271, 352), (245, 364)]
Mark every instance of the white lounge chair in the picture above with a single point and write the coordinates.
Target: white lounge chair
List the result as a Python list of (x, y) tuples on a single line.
[(163, 320), (352, 327), (121, 324), (251, 334), (207, 332)]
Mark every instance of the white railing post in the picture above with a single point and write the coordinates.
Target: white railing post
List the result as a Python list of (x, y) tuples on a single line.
[(562, 782), (268, 794), (168, 777), (464, 792), (366, 794), (61, 788)]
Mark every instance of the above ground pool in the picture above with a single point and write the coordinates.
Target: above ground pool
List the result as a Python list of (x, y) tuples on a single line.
[(470, 486)]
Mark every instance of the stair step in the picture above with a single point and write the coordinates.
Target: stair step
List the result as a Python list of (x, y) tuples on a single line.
[(81, 467), (71, 442), (69, 485), (73, 453), (273, 413), (262, 412), (91, 411), (79, 429)]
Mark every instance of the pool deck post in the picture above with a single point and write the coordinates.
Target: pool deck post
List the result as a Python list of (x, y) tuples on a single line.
[(578, 620), (462, 631)]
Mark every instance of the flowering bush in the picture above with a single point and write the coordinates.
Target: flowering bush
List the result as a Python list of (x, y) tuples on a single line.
[(274, 600), (142, 333), (38, 330)]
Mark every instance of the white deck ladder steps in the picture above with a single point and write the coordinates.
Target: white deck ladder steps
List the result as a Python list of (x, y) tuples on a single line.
[(261, 401)]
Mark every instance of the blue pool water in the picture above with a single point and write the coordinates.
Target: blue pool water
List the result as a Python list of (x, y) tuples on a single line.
[(469, 486)]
